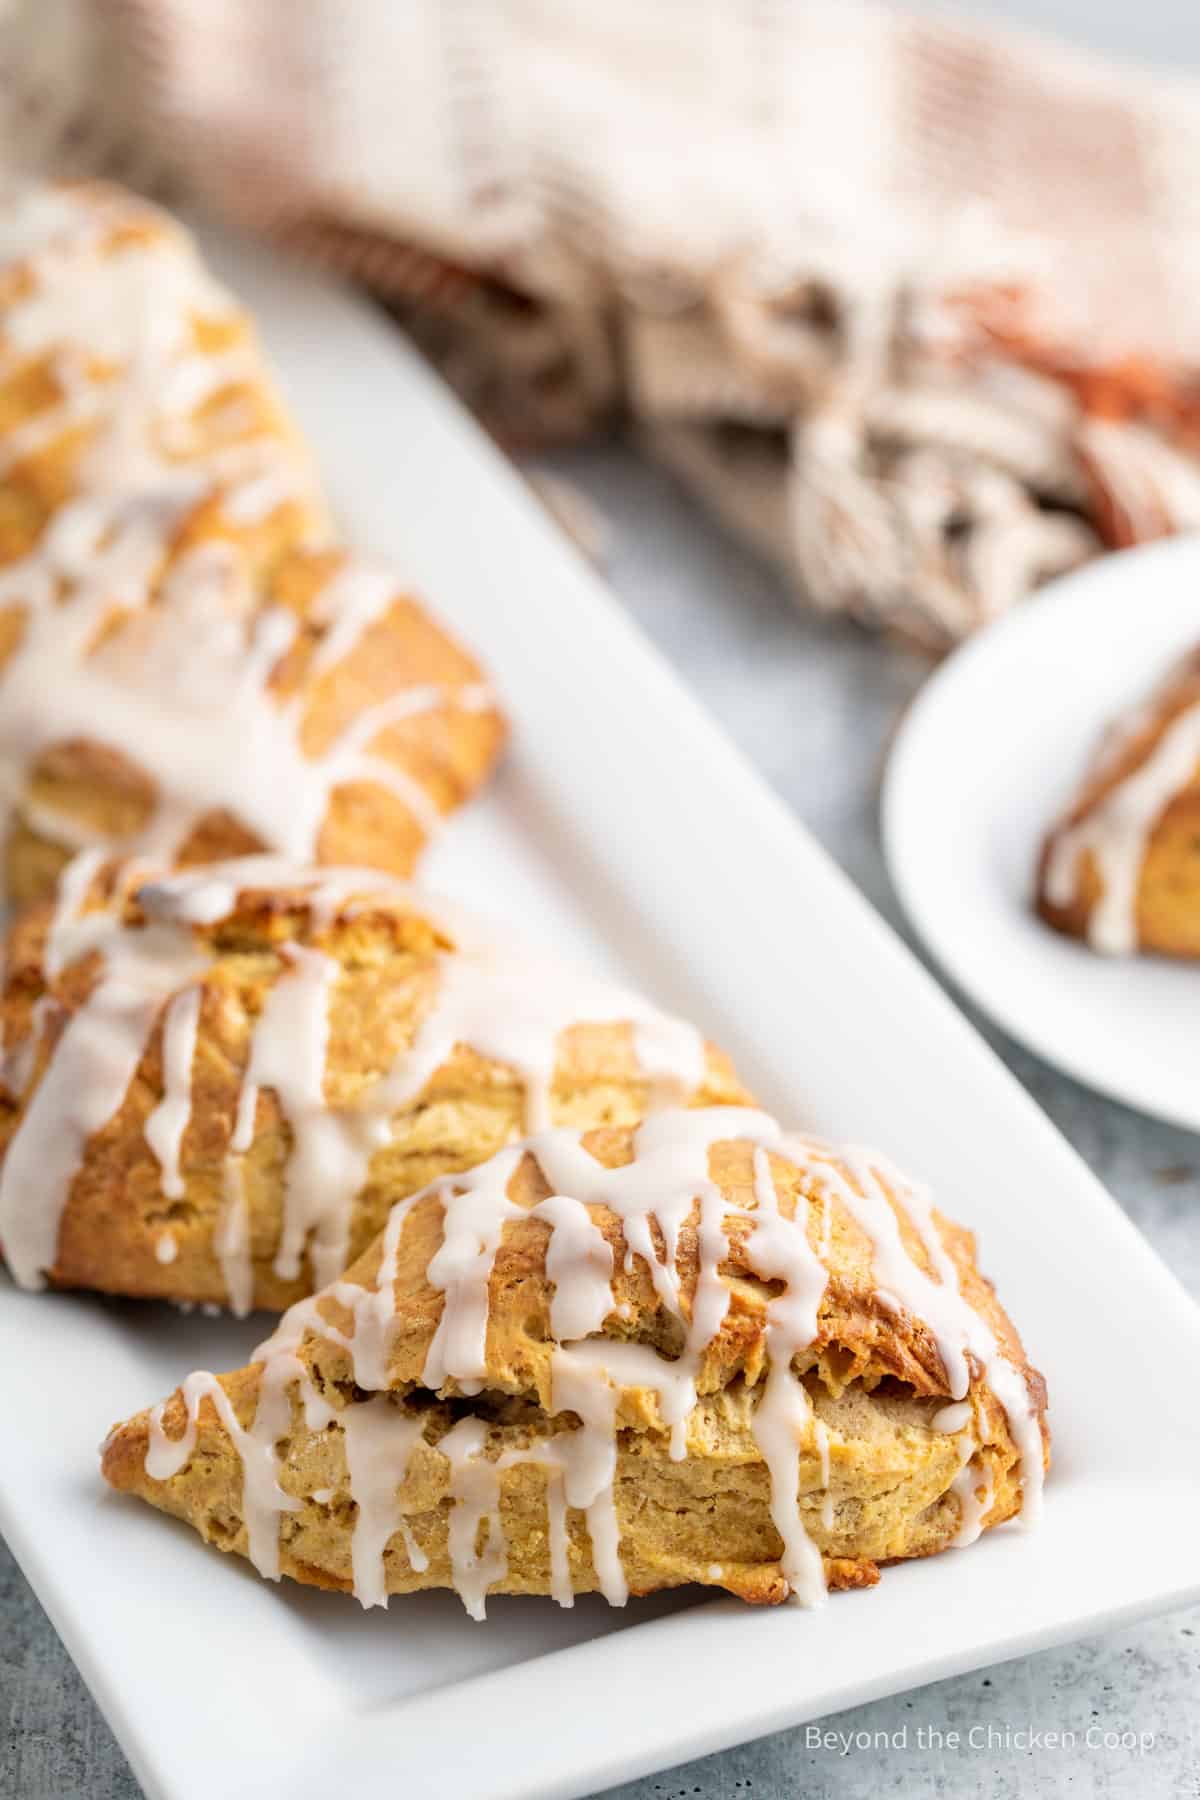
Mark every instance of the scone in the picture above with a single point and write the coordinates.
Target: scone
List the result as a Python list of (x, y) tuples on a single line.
[(189, 667), (1122, 869), (216, 1083), (694, 1350)]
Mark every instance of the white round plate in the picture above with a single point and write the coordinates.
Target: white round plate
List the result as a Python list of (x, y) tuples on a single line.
[(985, 760)]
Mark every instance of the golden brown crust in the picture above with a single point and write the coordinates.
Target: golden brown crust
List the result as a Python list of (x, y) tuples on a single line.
[(79, 790), (873, 1375), (1167, 903), (389, 950)]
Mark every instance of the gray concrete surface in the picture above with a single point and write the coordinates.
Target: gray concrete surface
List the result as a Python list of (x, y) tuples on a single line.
[(813, 703)]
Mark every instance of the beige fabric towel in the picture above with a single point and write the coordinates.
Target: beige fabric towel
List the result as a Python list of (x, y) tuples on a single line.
[(916, 308)]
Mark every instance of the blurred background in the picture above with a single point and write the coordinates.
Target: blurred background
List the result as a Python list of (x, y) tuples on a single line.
[(831, 332), (905, 298)]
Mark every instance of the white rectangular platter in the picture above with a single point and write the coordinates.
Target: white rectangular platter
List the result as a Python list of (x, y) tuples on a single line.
[(626, 830)]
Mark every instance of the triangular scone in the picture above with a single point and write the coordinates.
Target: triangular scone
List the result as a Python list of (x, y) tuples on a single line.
[(1122, 869), (215, 1084), (188, 668), (697, 1350)]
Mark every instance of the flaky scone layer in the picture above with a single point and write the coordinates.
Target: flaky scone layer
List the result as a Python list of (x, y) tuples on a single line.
[(816, 1382), (250, 1140), (1122, 869), (704, 1519), (188, 668)]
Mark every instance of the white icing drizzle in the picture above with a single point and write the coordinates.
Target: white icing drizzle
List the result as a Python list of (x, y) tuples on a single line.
[(579, 1261), (561, 1590), (460, 1268), (258, 496), (1117, 831), (378, 1441), (779, 1249), (589, 1457), (165, 1247), (288, 1053), (184, 680), (974, 1490), (360, 594), (73, 886), (667, 1180), (474, 1515), (953, 1418), (167, 1123), (232, 1240), (263, 1500)]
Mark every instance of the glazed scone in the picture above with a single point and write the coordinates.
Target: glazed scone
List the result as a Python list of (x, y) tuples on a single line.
[(216, 1083), (316, 712), (189, 668), (695, 1350), (1122, 869), (124, 364)]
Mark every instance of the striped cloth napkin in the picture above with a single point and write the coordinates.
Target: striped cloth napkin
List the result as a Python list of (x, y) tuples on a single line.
[(914, 307)]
